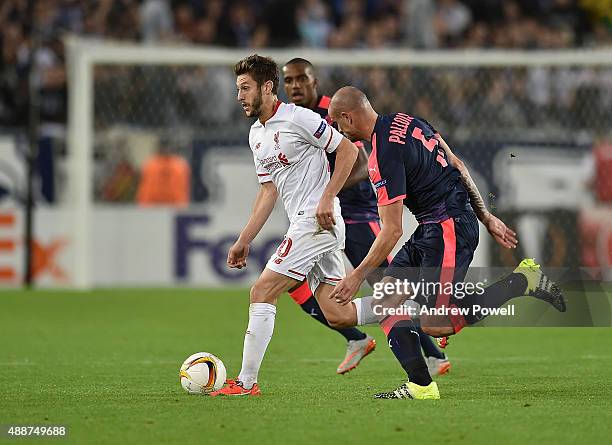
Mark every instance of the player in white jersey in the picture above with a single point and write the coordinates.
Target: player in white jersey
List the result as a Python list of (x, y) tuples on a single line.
[(299, 170), (289, 145)]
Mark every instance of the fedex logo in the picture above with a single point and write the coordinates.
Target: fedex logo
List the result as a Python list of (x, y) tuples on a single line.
[(44, 254), (215, 248), (7, 247)]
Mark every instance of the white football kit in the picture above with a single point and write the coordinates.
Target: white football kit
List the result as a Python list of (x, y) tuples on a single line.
[(289, 150)]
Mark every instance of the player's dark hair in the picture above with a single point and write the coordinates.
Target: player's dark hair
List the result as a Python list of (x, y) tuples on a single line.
[(260, 68), (300, 61)]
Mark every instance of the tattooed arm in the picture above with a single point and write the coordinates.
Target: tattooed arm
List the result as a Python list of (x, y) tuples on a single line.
[(505, 236), (475, 198)]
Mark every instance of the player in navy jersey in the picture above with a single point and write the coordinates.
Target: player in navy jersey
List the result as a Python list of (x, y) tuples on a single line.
[(360, 213), (411, 165)]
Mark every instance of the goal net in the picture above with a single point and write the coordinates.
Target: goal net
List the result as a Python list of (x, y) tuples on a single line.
[(533, 127)]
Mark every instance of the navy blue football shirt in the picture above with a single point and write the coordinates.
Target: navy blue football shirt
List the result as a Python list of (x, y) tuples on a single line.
[(408, 164)]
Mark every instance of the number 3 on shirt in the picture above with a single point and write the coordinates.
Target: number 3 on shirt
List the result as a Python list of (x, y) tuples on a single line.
[(430, 144)]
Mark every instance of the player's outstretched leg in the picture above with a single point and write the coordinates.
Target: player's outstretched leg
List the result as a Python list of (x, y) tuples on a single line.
[(526, 280), (359, 343), (539, 285), (262, 312)]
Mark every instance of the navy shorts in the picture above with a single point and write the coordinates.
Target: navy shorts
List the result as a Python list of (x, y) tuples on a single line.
[(359, 239), (438, 253)]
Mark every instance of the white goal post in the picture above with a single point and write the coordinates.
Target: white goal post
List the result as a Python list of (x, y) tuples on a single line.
[(83, 55)]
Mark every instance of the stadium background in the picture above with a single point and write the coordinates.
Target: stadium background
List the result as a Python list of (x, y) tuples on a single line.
[(536, 137), (534, 128)]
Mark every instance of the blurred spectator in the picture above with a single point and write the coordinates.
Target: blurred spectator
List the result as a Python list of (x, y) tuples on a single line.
[(424, 107), (279, 19), (376, 81), (313, 20), (451, 20), (165, 179), (418, 24), (118, 177), (565, 14), (511, 11), (13, 75), (499, 108), (382, 33), (155, 20), (51, 70), (214, 9), (195, 100), (70, 16), (240, 25), (349, 34), (205, 32), (602, 35), (122, 19), (375, 37), (185, 25), (477, 36)]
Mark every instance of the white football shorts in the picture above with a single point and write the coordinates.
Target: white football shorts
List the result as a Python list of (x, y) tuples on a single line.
[(309, 252)]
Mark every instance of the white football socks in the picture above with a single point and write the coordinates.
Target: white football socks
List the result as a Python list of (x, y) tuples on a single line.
[(365, 312), (258, 335)]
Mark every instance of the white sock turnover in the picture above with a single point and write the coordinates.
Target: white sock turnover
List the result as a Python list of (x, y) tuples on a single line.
[(258, 335), (365, 313)]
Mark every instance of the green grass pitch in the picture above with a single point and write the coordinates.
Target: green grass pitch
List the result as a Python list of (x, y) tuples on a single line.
[(105, 363)]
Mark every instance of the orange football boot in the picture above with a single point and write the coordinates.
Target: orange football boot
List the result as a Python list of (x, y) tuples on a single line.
[(234, 388)]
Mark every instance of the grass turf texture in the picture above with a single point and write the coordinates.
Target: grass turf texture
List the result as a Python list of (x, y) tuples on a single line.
[(106, 364)]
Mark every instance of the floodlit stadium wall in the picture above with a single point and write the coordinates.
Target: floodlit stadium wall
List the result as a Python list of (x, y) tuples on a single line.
[(531, 126)]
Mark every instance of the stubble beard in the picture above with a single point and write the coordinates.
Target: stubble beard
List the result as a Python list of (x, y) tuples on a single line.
[(256, 106)]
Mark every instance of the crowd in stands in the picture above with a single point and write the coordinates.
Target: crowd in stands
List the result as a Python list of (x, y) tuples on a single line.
[(419, 24), (506, 98)]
